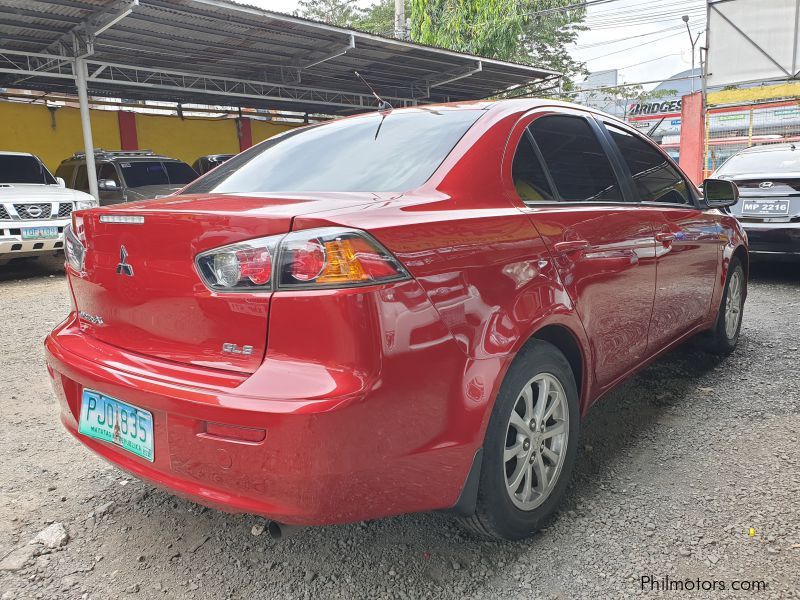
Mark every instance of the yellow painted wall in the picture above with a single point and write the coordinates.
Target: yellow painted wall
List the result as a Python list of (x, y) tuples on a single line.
[(261, 130), (754, 94), (29, 128), (186, 139)]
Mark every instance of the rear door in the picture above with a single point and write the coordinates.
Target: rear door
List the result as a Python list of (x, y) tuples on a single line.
[(601, 242), (688, 240)]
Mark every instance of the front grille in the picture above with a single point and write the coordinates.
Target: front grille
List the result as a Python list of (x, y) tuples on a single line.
[(33, 211), (65, 209), (4, 213)]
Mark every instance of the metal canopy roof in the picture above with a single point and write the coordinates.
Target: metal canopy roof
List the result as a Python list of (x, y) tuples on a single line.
[(219, 52)]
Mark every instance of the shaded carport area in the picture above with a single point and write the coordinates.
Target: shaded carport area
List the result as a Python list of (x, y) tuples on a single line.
[(216, 52)]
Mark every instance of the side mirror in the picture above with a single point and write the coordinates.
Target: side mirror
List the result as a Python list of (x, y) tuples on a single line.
[(720, 193), (107, 185), (60, 181)]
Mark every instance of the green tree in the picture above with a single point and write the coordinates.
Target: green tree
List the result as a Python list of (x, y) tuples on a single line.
[(341, 13), (535, 32), (379, 17)]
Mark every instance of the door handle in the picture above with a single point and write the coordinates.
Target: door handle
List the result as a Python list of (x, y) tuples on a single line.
[(571, 246), (665, 237)]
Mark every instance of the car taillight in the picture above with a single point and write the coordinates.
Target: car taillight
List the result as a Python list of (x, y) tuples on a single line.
[(329, 257), (74, 250), (239, 267)]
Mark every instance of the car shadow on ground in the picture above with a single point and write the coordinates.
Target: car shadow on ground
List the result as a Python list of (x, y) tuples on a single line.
[(621, 425), (31, 268)]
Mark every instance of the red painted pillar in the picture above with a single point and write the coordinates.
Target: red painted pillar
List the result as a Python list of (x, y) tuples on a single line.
[(127, 130), (245, 133), (693, 130)]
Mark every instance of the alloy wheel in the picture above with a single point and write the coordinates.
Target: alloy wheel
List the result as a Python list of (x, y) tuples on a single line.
[(536, 441), (733, 304)]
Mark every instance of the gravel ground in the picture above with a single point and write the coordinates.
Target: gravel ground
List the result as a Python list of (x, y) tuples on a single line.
[(676, 466)]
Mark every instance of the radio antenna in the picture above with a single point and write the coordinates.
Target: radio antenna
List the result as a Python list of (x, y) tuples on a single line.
[(382, 104)]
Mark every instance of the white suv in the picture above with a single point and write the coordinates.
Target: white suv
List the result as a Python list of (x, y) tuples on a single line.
[(34, 207)]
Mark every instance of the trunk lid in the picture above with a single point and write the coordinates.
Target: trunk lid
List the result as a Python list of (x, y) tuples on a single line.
[(768, 197), (159, 306)]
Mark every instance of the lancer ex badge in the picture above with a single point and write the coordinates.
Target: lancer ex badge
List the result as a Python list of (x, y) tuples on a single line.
[(123, 268)]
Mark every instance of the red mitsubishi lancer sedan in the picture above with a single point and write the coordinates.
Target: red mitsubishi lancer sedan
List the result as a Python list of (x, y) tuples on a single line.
[(400, 311)]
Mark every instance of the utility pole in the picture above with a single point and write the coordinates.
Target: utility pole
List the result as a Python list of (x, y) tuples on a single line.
[(400, 19), (693, 42)]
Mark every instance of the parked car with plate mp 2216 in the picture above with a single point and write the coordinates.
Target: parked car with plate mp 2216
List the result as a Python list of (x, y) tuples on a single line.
[(127, 175), (768, 178), (418, 322), (34, 207)]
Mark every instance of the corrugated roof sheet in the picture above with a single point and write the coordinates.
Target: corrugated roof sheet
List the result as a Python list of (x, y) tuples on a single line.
[(222, 41)]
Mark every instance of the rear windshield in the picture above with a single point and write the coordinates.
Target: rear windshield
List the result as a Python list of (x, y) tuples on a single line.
[(140, 173), (770, 161), (23, 169), (379, 152)]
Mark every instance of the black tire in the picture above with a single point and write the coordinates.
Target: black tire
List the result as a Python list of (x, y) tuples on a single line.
[(496, 515), (719, 341)]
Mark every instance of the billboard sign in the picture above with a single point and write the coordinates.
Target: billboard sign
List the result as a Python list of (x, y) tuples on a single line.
[(752, 40)]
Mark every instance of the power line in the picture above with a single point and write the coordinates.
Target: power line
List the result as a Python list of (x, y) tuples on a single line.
[(633, 47)]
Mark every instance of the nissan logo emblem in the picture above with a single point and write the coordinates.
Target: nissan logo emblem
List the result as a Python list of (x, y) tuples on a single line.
[(34, 212), (765, 185)]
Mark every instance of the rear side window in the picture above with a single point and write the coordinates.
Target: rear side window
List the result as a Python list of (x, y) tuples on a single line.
[(81, 179), (529, 178), (65, 172), (393, 151), (655, 178), (577, 162)]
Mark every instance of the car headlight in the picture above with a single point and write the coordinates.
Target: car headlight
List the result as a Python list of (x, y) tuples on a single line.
[(84, 204)]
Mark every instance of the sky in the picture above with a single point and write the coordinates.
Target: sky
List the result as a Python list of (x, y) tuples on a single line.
[(646, 40)]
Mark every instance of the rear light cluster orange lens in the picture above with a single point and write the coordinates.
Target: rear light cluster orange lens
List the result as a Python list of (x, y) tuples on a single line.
[(328, 257)]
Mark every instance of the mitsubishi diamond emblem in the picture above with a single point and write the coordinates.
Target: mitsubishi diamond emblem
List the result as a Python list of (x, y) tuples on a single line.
[(765, 185), (123, 268)]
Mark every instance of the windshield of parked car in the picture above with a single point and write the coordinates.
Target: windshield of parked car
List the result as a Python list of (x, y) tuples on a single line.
[(23, 169), (378, 152), (155, 172), (768, 161)]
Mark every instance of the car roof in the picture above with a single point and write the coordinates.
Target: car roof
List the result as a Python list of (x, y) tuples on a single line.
[(785, 147), (10, 153)]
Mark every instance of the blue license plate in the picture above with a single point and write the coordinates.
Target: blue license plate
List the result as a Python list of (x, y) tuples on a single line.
[(39, 233), (117, 422)]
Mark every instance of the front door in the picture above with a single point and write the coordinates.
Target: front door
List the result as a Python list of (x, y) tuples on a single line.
[(688, 241), (601, 242)]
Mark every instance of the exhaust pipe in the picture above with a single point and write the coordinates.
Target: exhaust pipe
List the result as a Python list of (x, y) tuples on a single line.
[(279, 531)]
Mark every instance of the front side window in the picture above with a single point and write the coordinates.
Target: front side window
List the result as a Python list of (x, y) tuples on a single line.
[(577, 162), (393, 151), (107, 171), (22, 168), (528, 174), (655, 178)]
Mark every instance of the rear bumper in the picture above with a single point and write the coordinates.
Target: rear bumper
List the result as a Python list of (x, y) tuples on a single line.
[(773, 238), (341, 445)]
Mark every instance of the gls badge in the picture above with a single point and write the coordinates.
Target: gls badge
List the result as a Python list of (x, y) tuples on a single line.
[(123, 268), (229, 348)]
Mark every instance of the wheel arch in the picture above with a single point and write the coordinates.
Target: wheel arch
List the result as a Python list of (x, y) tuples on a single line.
[(567, 343), (744, 257)]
